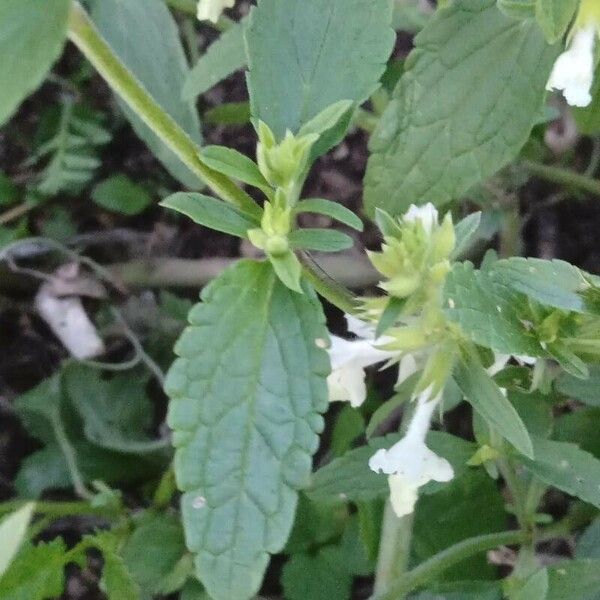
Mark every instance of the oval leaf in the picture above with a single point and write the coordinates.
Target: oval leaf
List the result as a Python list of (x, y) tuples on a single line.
[(322, 240), (331, 209), (212, 213), (436, 138), (235, 164)]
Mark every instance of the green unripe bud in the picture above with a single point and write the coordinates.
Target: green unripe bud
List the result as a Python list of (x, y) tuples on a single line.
[(277, 245)]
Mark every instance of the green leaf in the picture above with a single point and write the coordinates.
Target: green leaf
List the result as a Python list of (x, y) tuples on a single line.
[(486, 310), (153, 551), (567, 468), (224, 56), (550, 282), (49, 416), (349, 424), (438, 137), (119, 194), (289, 270), (246, 394), (327, 119), (305, 55), (145, 37), (574, 579), (193, 591), (554, 17), (331, 209), (36, 573), (588, 545), (466, 234), (236, 165), (489, 401), (580, 427), (13, 529), (534, 588), (470, 505), (584, 390), (319, 577), (117, 583), (32, 34), (116, 412), (212, 213), (322, 240), (518, 9), (230, 113), (349, 477), (464, 590)]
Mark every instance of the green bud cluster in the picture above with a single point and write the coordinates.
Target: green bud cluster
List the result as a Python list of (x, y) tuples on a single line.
[(414, 258), (283, 163)]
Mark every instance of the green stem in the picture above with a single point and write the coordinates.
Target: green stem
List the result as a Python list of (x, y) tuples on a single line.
[(394, 548), (59, 509), (442, 561), (563, 177), (83, 33), (331, 290)]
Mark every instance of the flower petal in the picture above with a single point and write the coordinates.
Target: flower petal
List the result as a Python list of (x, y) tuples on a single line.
[(347, 384), (573, 71), (426, 214), (403, 495)]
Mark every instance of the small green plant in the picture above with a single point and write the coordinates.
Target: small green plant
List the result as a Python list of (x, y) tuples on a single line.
[(392, 497)]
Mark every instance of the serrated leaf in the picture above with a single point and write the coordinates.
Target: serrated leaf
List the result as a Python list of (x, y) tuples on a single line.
[(331, 209), (486, 311), (119, 194), (554, 17), (246, 394), (550, 282), (321, 240), (36, 573), (436, 139), (305, 55), (349, 477), (32, 35), (236, 165), (567, 468), (210, 212), (12, 533), (145, 37), (574, 579), (584, 390), (489, 401), (224, 56)]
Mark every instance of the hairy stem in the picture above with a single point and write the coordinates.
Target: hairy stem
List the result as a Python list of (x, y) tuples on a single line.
[(394, 548), (59, 509), (442, 561), (83, 33), (563, 177)]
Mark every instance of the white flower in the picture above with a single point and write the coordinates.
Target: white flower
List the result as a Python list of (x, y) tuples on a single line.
[(349, 358), (409, 463), (573, 71), (211, 10), (427, 214)]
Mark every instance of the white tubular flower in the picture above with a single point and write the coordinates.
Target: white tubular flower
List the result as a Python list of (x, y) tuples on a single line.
[(349, 358), (573, 71), (409, 463), (211, 10), (427, 214)]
